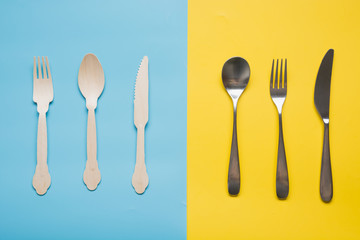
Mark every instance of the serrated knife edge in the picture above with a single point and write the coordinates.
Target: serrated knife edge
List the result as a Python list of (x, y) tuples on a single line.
[(141, 93)]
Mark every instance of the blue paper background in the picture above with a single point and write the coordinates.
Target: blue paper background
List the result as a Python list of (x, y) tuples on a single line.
[(119, 33)]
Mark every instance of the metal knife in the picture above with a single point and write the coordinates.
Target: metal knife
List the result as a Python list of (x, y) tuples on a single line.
[(140, 179), (322, 100)]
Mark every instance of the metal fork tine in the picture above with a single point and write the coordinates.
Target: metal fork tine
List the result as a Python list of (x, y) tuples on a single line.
[(281, 75), (285, 74), (34, 72), (276, 74), (44, 68), (272, 75), (48, 68), (39, 68)]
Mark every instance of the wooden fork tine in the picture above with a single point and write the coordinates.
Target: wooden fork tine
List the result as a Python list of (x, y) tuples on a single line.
[(34, 72), (44, 68), (48, 68), (39, 68)]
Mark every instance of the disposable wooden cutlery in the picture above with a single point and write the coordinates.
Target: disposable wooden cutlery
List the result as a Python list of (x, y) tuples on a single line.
[(91, 84), (322, 102), (140, 179), (42, 96), (235, 77), (278, 94)]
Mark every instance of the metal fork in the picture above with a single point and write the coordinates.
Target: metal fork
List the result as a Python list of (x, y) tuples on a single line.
[(42, 95), (278, 95)]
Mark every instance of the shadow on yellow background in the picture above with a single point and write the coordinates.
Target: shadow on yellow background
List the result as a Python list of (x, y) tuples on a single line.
[(259, 31)]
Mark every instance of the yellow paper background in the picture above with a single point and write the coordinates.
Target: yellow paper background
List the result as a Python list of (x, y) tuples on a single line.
[(301, 31)]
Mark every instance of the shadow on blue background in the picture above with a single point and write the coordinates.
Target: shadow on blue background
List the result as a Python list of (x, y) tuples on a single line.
[(119, 33)]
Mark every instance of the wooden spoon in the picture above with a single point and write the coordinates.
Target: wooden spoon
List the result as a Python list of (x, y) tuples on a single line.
[(91, 84)]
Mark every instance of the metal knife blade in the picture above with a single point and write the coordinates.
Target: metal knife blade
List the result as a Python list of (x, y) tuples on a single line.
[(322, 86), (141, 100)]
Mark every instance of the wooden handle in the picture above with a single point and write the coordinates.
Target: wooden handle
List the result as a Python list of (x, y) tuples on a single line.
[(140, 179), (41, 179), (92, 175)]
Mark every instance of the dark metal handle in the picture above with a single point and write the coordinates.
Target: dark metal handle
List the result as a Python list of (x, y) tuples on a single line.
[(326, 185), (282, 179), (234, 169)]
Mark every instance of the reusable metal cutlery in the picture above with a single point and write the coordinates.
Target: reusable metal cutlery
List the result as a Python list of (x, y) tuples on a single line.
[(42, 95), (278, 94), (91, 84), (322, 102), (140, 179), (235, 77)]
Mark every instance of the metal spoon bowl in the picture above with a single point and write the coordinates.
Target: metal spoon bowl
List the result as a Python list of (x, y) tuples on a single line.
[(235, 77)]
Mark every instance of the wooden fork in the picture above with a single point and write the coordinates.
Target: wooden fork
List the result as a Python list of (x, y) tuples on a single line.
[(42, 96)]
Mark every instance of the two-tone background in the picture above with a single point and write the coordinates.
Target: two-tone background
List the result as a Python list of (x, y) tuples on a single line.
[(190, 120)]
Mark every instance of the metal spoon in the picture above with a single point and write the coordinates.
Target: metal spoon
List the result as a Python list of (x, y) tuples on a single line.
[(91, 83), (235, 77)]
